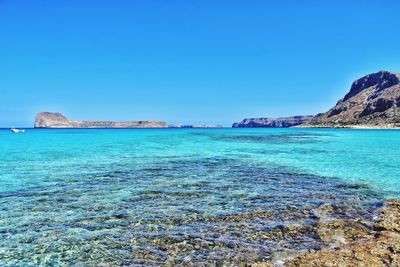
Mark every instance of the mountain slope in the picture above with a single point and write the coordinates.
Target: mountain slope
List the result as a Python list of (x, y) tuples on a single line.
[(373, 100)]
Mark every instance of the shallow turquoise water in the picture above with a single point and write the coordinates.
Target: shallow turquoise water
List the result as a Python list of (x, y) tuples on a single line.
[(178, 196)]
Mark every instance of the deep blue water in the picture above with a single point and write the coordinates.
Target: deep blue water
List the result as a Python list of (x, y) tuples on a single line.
[(183, 196)]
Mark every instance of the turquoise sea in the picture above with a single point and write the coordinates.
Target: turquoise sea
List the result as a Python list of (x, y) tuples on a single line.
[(109, 197)]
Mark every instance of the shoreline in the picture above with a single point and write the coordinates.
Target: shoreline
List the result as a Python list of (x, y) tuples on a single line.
[(360, 127)]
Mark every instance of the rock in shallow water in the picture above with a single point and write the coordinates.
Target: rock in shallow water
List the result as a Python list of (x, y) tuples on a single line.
[(377, 248)]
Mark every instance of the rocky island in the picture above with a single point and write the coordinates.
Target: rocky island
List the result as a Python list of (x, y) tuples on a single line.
[(57, 120), (372, 102)]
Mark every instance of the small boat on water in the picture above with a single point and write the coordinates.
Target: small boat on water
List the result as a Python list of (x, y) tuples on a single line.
[(14, 130)]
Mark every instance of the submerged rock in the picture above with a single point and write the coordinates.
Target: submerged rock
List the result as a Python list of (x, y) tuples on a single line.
[(380, 247)]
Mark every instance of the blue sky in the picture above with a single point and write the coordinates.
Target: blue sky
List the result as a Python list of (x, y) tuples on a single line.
[(188, 61)]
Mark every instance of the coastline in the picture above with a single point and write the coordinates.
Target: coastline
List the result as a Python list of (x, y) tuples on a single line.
[(360, 126), (200, 133)]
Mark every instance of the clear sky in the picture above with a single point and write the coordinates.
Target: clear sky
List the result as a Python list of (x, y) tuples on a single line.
[(188, 61)]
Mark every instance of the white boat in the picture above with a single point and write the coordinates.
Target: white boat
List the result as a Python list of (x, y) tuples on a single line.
[(14, 130)]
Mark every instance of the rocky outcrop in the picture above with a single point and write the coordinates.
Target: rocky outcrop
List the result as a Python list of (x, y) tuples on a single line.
[(53, 120), (57, 120), (273, 122), (373, 100)]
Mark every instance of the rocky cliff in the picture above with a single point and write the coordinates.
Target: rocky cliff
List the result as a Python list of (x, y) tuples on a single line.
[(57, 120), (373, 101), (273, 122)]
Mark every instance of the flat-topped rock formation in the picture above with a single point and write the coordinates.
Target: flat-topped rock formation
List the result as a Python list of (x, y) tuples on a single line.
[(57, 120), (273, 122), (372, 102)]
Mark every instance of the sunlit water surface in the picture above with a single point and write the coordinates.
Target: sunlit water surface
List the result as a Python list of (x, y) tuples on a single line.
[(174, 196)]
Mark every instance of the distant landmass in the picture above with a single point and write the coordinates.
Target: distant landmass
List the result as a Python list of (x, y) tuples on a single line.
[(274, 122), (57, 120), (373, 101), (195, 126)]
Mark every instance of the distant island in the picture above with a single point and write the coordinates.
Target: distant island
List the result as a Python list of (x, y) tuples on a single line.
[(372, 102), (58, 120), (195, 126)]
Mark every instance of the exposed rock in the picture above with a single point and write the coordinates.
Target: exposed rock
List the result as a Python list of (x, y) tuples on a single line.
[(273, 122), (373, 100), (53, 120), (380, 80), (57, 120), (390, 217)]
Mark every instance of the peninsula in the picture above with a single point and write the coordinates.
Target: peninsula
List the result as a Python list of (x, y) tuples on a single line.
[(372, 102)]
